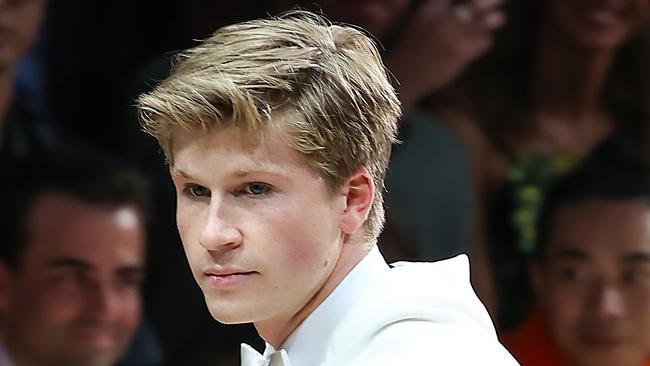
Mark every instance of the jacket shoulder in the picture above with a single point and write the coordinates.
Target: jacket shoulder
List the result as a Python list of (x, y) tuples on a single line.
[(418, 314)]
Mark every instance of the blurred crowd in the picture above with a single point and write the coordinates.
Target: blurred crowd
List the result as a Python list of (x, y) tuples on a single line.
[(524, 143)]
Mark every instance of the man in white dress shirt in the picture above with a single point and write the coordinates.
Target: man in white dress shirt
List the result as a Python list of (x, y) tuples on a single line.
[(278, 133)]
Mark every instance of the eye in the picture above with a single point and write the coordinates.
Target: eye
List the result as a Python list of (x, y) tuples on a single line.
[(69, 276), (196, 190), (573, 273), (636, 276), (130, 279), (256, 189)]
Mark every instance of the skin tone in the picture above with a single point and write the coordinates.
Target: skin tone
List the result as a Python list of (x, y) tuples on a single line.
[(75, 297), (594, 286), (267, 240), (578, 41), (19, 20)]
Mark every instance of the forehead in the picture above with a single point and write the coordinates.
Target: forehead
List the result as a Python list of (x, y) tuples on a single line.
[(60, 225), (601, 228), (232, 148)]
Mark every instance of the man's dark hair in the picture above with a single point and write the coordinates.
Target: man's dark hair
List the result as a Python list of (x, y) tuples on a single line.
[(606, 176), (80, 172)]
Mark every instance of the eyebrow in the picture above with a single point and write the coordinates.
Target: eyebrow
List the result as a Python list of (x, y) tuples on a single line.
[(634, 257), (238, 174), (131, 270), (641, 257), (178, 172), (76, 263), (571, 254), (70, 262)]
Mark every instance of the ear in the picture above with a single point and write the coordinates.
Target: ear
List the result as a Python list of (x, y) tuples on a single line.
[(359, 192)]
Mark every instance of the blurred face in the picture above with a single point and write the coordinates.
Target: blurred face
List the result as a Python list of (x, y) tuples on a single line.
[(259, 226), (598, 24), (75, 298), (19, 21), (595, 287), (376, 16)]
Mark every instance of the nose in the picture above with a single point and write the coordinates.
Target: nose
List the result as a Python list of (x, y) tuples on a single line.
[(102, 302), (220, 232), (609, 302)]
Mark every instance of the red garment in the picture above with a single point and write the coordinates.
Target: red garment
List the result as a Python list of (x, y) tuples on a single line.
[(531, 345)]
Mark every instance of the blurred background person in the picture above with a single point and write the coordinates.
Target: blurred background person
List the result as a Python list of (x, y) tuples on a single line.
[(72, 259), (19, 21), (562, 78), (591, 270), (19, 24)]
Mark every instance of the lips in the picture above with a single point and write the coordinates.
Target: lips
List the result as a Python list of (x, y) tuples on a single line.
[(602, 340), (96, 335), (227, 277)]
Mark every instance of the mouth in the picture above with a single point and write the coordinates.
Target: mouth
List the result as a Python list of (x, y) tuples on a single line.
[(601, 341), (226, 278), (98, 337)]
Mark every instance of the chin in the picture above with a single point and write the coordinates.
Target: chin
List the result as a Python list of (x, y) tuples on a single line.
[(94, 359), (229, 314), (230, 320)]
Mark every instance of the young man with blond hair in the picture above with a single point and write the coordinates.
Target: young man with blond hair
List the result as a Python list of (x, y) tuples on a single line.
[(278, 133)]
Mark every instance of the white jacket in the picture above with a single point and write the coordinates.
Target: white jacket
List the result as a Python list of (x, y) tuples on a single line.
[(412, 314)]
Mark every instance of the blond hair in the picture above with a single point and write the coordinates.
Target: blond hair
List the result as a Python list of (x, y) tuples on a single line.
[(324, 83)]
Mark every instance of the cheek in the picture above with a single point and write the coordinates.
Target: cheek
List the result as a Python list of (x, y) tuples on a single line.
[(299, 251), (563, 310), (307, 237), (188, 219), (639, 315), (183, 217), (55, 305), (130, 306)]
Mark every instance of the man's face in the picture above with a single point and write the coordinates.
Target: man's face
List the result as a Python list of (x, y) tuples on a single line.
[(19, 20), (595, 287), (259, 226), (75, 298)]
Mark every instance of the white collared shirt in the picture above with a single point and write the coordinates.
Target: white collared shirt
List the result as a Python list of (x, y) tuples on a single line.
[(305, 345)]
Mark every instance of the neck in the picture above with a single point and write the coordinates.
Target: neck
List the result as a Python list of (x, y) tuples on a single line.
[(276, 331), (570, 79)]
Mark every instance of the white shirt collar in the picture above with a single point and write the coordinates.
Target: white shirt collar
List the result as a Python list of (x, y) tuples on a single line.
[(306, 345)]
